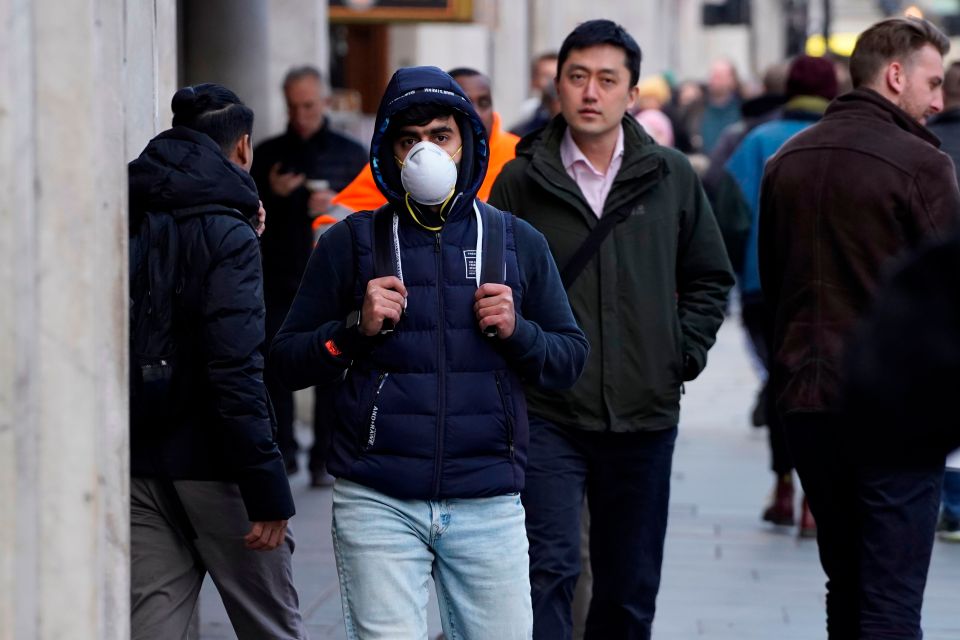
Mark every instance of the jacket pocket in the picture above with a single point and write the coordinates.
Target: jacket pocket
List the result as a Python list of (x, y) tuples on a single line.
[(507, 414), (272, 415), (368, 434)]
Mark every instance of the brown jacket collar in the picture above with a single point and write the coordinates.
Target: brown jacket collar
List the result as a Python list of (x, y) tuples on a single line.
[(867, 103)]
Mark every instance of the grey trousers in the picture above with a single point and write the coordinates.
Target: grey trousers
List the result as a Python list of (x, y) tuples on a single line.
[(167, 568)]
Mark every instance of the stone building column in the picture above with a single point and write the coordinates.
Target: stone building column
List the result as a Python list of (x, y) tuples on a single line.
[(510, 58), (248, 45), (227, 42), (150, 46), (769, 33), (297, 35), (64, 470)]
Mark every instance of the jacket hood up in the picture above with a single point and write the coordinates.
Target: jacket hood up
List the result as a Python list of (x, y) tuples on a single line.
[(429, 85), (182, 168)]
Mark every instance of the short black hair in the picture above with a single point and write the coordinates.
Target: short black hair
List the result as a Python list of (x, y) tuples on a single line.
[(417, 115), (463, 72), (214, 110), (598, 32)]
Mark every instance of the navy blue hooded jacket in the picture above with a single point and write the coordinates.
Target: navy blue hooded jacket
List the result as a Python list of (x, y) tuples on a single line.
[(435, 409), (222, 428)]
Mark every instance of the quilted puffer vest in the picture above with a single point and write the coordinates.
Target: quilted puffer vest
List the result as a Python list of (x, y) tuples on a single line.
[(433, 412)]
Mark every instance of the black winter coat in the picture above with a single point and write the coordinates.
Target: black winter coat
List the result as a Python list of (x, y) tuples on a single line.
[(288, 240), (223, 428)]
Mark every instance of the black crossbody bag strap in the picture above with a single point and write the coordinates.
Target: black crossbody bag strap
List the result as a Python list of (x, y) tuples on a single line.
[(591, 245)]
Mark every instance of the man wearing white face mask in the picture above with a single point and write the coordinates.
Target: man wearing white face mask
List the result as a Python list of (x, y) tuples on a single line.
[(430, 425)]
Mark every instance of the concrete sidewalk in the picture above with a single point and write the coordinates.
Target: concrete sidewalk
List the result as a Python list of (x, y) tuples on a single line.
[(726, 574)]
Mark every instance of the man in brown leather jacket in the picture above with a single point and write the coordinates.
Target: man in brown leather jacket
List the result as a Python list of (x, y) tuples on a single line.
[(838, 201)]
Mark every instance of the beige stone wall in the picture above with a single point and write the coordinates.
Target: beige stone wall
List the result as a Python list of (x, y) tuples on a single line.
[(227, 42), (297, 33), (79, 87), (150, 47)]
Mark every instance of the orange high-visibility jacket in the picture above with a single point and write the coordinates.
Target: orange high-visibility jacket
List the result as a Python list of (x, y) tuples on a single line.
[(362, 194)]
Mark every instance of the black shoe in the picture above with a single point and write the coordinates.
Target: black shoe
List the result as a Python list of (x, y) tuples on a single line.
[(758, 417)]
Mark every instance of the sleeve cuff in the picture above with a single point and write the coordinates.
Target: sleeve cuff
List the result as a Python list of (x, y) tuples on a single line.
[(523, 339), (266, 492), (349, 343)]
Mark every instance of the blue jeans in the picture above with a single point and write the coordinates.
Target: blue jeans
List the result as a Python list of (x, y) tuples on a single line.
[(626, 477), (475, 549), (951, 495)]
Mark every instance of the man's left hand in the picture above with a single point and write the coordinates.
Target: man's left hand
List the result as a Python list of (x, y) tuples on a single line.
[(494, 308)]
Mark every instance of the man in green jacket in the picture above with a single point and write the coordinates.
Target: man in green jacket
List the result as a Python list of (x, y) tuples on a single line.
[(650, 301)]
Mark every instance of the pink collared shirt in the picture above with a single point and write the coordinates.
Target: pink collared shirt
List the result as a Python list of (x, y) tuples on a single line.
[(594, 185)]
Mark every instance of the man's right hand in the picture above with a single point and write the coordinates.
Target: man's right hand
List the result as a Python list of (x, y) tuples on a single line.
[(283, 184), (266, 536), (385, 299)]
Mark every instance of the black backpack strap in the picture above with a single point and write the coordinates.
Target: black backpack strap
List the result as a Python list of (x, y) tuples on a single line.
[(384, 260), (591, 245), (384, 255), (494, 265)]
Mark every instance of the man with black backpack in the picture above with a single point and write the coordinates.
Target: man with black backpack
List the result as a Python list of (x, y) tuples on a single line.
[(208, 492), (433, 309), (644, 264)]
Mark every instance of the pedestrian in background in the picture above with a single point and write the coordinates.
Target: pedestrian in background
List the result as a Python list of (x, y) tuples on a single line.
[(298, 174), (946, 126), (837, 202), (725, 198), (650, 297), (811, 84), (208, 492), (536, 112), (721, 104)]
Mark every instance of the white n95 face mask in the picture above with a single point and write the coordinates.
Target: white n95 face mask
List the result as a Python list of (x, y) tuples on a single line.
[(428, 173)]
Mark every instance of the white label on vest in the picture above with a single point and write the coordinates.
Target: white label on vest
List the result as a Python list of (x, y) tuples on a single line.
[(470, 261)]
